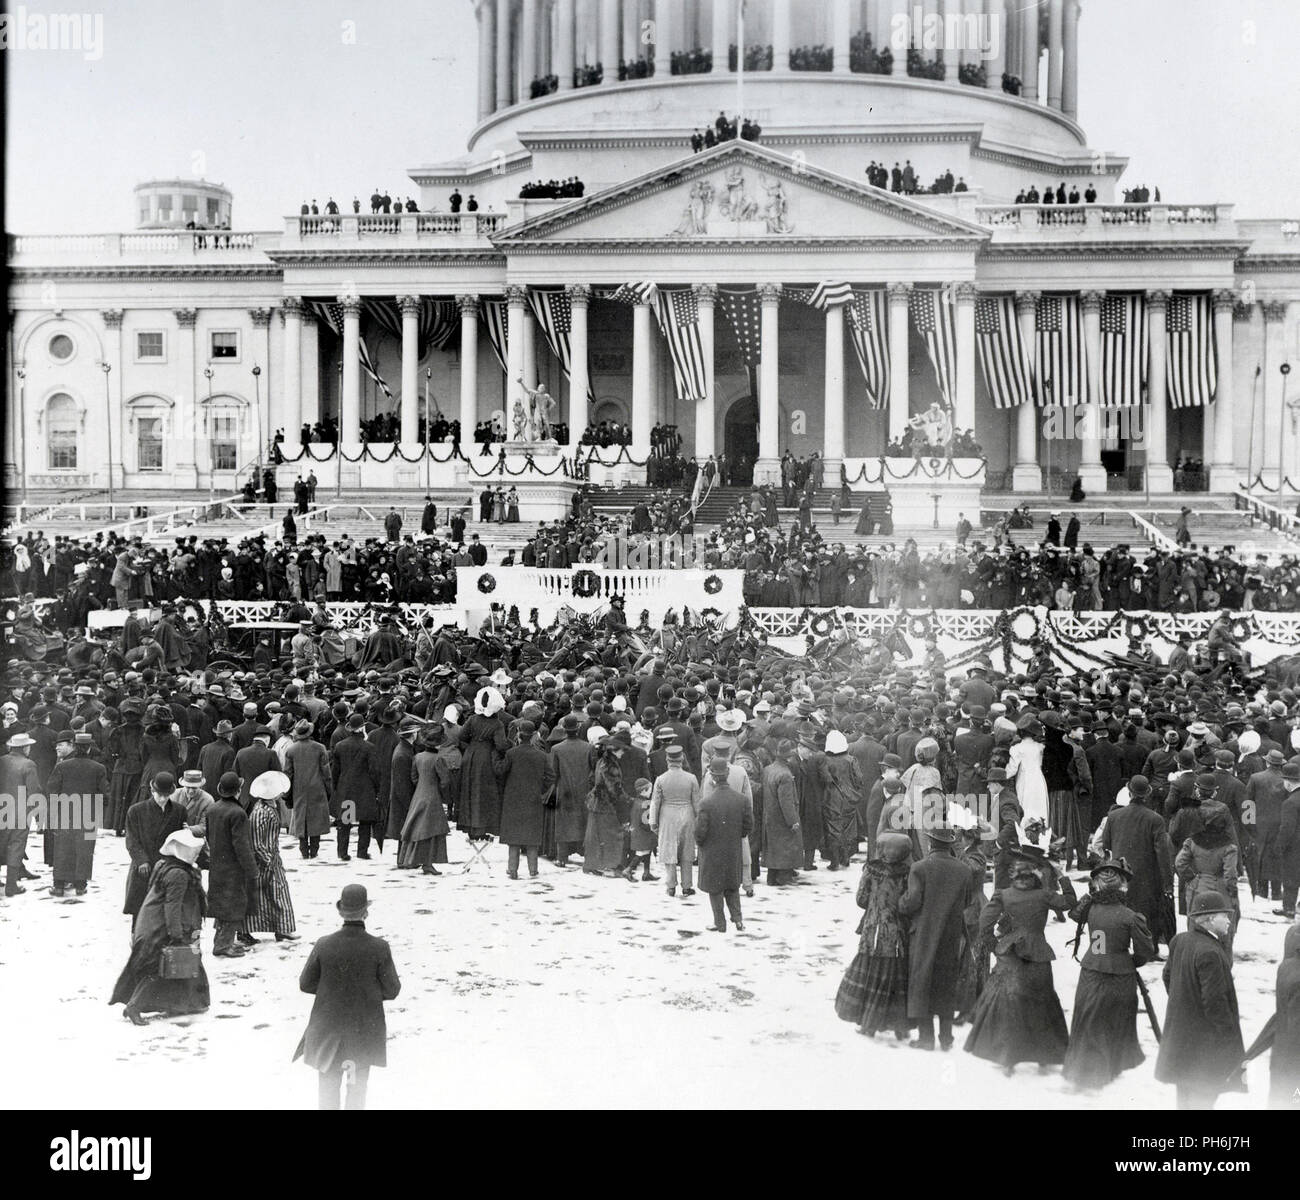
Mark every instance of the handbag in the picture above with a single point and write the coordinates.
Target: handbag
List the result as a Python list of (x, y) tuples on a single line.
[(179, 962)]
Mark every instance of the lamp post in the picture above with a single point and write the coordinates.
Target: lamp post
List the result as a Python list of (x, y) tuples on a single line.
[(428, 430), (1284, 370), (257, 400), (108, 429), (212, 466), (22, 438)]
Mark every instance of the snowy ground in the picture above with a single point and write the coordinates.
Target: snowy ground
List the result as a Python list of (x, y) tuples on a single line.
[(568, 990)]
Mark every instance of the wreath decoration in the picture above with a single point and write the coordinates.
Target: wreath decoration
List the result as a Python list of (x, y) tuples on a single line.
[(919, 625), (713, 585), (585, 583), (1024, 627), (487, 584), (821, 625), (1242, 627), (711, 614), (1136, 628)]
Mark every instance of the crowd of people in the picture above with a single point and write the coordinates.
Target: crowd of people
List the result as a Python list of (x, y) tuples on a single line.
[(553, 189), (725, 129), (1057, 195), (1168, 789), (904, 180)]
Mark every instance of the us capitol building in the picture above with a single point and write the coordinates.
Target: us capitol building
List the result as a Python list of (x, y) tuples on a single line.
[(761, 295)]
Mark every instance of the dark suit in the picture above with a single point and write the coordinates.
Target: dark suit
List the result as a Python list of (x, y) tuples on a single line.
[(351, 973), (147, 827), (939, 889), (723, 822), (354, 772), (232, 871)]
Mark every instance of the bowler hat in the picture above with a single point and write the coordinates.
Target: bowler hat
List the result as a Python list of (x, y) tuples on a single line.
[(1209, 901), (353, 903)]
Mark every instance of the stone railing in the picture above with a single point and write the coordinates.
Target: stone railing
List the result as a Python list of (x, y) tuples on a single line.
[(397, 226), (145, 244), (1174, 218), (1284, 522)]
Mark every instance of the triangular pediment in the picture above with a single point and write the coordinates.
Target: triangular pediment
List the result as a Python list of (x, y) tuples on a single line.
[(740, 191)]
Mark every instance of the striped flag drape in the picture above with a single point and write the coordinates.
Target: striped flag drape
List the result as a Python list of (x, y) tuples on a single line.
[(633, 293), (826, 294), (679, 319), (1060, 360), (932, 315), (496, 318), (1123, 350), (869, 331), (554, 312), (744, 313), (1191, 372), (331, 313), (1001, 352), (436, 328)]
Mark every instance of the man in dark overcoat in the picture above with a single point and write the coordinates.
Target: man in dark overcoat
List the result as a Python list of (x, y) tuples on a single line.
[(723, 822), (939, 889), (973, 748), (1138, 835), (571, 762), (1201, 1051), (1288, 840), (384, 739), (70, 840), (355, 798), (1265, 792), (148, 822), (351, 973), (18, 778), (525, 785), (232, 870), (252, 761)]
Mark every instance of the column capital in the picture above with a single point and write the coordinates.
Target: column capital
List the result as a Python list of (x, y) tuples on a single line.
[(409, 305), (468, 306), (1223, 299), (579, 295), (351, 305), (899, 292), (516, 296), (185, 317), (1027, 302), (1274, 311), (113, 317), (706, 294), (1243, 310), (965, 292), (1158, 298), (261, 317), (291, 306), (1091, 301), (769, 293)]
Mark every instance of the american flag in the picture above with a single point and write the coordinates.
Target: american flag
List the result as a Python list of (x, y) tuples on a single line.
[(1001, 352), (932, 316), (634, 293), (331, 312), (679, 318), (744, 313), (1191, 371), (496, 318), (869, 332), (1123, 350), (554, 312), (436, 328), (824, 295), (1060, 362)]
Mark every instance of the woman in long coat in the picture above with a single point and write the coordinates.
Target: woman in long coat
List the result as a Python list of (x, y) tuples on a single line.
[(873, 992), (975, 956), (306, 763), (424, 832), (401, 781), (124, 751), (484, 744), (526, 782), (1019, 1017), (841, 792), (606, 803), (1207, 861), (272, 907), (782, 834), (1025, 766), (172, 914), (160, 748), (1103, 1026)]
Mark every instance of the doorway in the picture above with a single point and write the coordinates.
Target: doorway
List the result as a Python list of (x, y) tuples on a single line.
[(740, 440)]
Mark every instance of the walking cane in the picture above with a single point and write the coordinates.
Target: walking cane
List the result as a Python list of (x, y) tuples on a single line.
[(349, 1078), (1151, 1008)]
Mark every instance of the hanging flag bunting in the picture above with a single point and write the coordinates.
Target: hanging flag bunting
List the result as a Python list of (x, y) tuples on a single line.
[(933, 318), (1001, 352), (1123, 350), (679, 319), (1060, 362), (1191, 372)]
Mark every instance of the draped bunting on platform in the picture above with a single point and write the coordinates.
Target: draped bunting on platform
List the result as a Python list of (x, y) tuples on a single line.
[(1191, 370), (331, 313), (679, 319), (497, 320), (744, 313), (932, 315), (1123, 350), (868, 327), (1060, 361), (1002, 352), (554, 312), (437, 325)]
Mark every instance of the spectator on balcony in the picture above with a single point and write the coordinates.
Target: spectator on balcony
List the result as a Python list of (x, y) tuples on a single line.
[(304, 211), (1049, 196), (1074, 195), (356, 204), (331, 208), (710, 138), (909, 178), (456, 200), (896, 178), (375, 200), (471, 205), (1060, 192), (1090, 195), (315, 212), (411, 205), (960, 185), (697, 142), (1032, 196)]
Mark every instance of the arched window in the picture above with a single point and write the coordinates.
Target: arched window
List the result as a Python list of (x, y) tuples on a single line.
[(61, 422)]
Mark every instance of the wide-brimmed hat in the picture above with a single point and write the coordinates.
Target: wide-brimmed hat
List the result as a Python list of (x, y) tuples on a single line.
[(488, 702), (302, 730), (270, 785), (1112, 864), (944, 834), (353, 904), (730, 720), (184, 845), (189, 778), (20, 739)]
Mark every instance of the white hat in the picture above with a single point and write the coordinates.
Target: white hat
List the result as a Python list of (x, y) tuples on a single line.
[(501, 677), (596, 733), (761, 707), (270, 785), (730, 719), (619, 704), (488, 702), (451, 714), (183, 845), (835, 742)]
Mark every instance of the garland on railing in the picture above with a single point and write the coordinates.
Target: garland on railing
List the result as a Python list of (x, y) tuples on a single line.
[(366, 452), (1288, 482), (500, 467), (939, 468), (621, 456)]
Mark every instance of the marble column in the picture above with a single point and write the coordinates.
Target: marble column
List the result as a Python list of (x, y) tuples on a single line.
[(841, 33), (579, 378), (632, 47), (16, 379), (410, 404), (1070, 61), (1091, 472), (1223, 474), (504, 73), (833, 400), (609, 40), (487, 33), (350, 401), (951, 54), (529, 38), (706, 296), (1026, 476), (291, 389), (1029, 52), (664, 38), (1055, 38), (1155, 441), (468, 306), (780, 35), (516, 349), (643, 381), (724, 29), (116, 424), (964, 401), (564, 50), (768, 466), (900, 295), (530, 347), (996, 11), (1275, 464), (184, 422)]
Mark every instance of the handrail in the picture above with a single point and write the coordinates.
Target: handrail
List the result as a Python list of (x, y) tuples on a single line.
[(1258, 509), (1160, 540)]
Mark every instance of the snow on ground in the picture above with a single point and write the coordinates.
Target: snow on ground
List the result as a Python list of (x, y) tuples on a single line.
[(567, 990)]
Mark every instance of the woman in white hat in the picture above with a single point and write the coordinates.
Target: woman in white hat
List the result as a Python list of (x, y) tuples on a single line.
[(272, 908), (841, 794), (172, 915), (484, 743)]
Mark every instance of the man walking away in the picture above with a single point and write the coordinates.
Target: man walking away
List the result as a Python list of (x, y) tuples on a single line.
[(724, 821)]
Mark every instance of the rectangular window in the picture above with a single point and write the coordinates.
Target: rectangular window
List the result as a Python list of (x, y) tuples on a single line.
[(149, 447), (214, 211), (63, 449), (189, 205), (164, 214), (225, 442), (225, 344), (144, 213), (149, 344)]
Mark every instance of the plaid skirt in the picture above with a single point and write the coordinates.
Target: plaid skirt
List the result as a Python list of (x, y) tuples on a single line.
[(873, 993)]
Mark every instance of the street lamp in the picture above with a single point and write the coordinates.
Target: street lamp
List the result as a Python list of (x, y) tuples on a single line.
[(212, 465), (22, 436), (257, 393), (108, 429), (428, 429), (1284, 370)]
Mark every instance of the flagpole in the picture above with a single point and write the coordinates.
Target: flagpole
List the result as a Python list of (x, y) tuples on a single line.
[(740, 60)]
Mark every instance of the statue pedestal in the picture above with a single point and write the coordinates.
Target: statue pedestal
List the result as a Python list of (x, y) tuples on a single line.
[(930, 493), (534, 469)]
